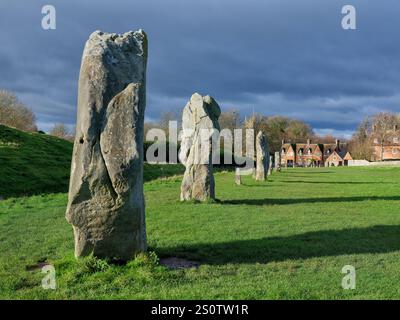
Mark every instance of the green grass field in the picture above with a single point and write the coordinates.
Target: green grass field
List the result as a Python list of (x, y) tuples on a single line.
[(287, 238)]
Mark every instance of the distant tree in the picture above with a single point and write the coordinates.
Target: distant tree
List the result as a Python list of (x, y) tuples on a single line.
[(255, 122), (298, 130), (383, 123), (229, 120), (278, 128), (364, 130), (60, 130), (380, 127), (360, 150), (148, 126), (165, 119), (360, 143), (14, 113), (72, 133), (328, 138)]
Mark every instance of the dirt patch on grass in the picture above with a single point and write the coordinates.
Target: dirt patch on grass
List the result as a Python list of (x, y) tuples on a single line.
[(37, 266), (178, 263)]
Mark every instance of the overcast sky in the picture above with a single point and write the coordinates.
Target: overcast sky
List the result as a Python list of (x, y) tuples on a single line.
[(272, 56)]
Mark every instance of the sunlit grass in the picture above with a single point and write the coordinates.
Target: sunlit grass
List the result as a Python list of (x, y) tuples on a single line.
[(287, 238)]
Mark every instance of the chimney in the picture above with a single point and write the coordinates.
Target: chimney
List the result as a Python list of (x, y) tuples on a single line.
[(308, 141), (337, 142)]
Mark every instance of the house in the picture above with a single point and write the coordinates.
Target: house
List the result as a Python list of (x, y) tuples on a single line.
[(386, 148), (314, 154), (338, 158)]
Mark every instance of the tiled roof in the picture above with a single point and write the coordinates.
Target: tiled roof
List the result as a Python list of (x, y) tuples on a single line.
[(322, 147)]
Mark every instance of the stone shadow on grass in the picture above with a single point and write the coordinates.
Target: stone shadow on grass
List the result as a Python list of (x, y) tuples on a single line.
[(325, 243), (304, 173), (282, 201), (338, 182)]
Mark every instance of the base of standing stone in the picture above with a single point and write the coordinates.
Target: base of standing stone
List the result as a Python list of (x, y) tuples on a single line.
[(198, 183), (238, 177)]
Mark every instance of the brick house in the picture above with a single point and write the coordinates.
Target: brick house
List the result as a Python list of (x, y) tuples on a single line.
[(314, 154), (389, 148), (338, 158)]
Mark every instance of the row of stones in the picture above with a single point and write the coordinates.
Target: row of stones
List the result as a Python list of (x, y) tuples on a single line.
[(106, 203)]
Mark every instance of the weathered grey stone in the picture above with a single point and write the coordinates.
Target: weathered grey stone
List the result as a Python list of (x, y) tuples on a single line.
[(106, 203), (262, 157), (238, 177), (271, 163), (277, 163), (200, 125)]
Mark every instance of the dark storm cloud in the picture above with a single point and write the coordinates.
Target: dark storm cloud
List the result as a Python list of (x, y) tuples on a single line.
[(274, 57)]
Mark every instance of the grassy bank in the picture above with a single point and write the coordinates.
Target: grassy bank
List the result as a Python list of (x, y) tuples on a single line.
[(33, 163)]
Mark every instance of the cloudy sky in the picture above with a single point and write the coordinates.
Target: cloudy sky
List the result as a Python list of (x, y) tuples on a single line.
[(272, 56)]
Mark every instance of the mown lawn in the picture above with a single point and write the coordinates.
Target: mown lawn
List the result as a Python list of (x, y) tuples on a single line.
[(287, 238)]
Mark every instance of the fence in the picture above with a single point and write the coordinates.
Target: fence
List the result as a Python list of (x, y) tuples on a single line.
[(361, 163)]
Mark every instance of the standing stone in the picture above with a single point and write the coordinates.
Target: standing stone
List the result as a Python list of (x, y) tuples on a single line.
[(271, 163), (106, 203), (238, 177), (277, 159), (262, 156), (199, 124)]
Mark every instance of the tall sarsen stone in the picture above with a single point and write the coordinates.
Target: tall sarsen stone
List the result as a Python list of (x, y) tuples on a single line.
[(262, 157), (106, 203), (200, 125), (277, 161)]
